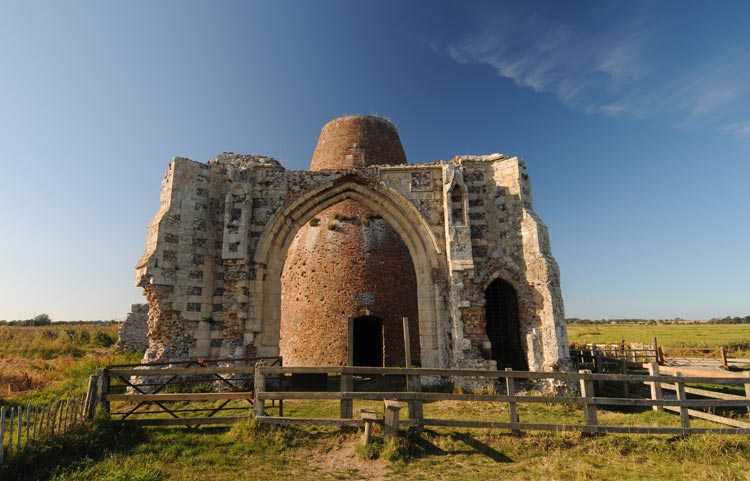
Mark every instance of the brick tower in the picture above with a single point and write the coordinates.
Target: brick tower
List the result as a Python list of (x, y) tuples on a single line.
[(348, 265)]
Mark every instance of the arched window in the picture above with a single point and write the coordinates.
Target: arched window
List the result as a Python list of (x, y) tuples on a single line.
[(458, 217)]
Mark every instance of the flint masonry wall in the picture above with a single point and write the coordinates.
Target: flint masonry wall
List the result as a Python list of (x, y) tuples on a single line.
[(216, 249), (133, 334)]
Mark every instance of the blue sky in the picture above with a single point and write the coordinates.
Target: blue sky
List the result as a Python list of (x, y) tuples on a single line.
[(633, 118)]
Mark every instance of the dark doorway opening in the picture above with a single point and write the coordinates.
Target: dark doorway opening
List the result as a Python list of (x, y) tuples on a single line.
[(503, 326), (367, 340)]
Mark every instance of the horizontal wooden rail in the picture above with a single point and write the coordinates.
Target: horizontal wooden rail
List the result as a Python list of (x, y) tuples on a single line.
[(272, 360), (434, 396), (600, 428), (193, 396), (712, 417), (704, 392), (319, 421), (181, 371), (487, 374), (196, 421)]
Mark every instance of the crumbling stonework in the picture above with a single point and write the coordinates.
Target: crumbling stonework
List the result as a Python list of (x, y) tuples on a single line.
[(227, 231), (133, 334)]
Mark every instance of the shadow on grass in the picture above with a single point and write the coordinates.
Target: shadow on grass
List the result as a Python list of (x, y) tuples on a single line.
[(422, 447), (78, 448), (483, 448)]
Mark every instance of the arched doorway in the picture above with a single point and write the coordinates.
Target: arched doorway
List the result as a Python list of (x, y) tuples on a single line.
[(502, 324), (367, 341), (270, 255), (345, 263)]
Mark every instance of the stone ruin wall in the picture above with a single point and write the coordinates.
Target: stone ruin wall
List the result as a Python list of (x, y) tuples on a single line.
[(200, 276), (133, 336)]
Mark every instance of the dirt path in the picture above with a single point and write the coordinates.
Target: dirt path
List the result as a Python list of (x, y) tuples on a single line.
[(344, 460)]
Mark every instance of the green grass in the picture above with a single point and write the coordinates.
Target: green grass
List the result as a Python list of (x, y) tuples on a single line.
[(109, 452), (106, 451), (736, 337), (39, 364), (60, 339)]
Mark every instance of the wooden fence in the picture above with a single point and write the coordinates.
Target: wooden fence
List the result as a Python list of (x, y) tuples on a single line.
[(414, 397), (167, 395), (634, 352), (187, 393), (21, 426), (685, 353)]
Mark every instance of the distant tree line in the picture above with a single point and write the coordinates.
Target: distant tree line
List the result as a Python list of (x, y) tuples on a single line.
[(731, 320), (45, 320), (676, 320)]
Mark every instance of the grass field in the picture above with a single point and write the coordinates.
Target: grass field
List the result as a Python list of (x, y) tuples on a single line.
[(736, 337), (61, 358), (43, 363), (250, 452)]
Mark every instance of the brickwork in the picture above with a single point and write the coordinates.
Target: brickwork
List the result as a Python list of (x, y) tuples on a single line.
[(346, 262), (357, 141), (217, 248)]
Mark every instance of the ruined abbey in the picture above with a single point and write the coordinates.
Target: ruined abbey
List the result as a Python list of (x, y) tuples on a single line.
[(246, 258)]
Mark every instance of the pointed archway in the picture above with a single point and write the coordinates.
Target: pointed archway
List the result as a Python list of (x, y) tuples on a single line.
[(397, 211), (503, 325)]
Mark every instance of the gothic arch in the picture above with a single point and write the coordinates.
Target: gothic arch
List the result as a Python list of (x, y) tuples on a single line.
[(401, 214)]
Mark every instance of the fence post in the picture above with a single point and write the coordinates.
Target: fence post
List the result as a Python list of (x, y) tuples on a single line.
[(746, 374), (2, 434), (684, 416), (28, 423), (391, 419), (20, 428), (35, 423), (598, 367), (103, 389), (47, 420), (510, 388), (368, 417), (413, 383), (407, 342), (90, 405), (724, 357), (64, 416), (10, 432), (415, 405), (346, 407), (662, 357), (656, 392), (625, 388), (587, 391), (259, 385), (56, 417), (655, 347)]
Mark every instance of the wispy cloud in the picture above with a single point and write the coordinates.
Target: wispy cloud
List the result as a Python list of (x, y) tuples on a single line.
[(740, 129), (548, 57), (620, 72)]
